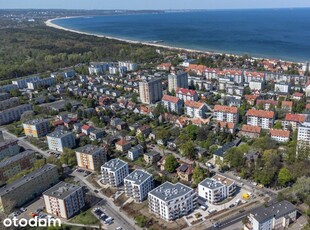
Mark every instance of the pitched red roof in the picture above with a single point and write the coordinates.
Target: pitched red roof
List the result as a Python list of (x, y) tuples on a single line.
[(297, 94), (86, 127), (250, 97), (287, 104), (225, 109), (122, 142), (251, 129), (264, 102), (197, 68), (255, 74), (260, 113), (186, 91), (193, 104), (295, 117), (279, 133), (229, 125), (171, 99)]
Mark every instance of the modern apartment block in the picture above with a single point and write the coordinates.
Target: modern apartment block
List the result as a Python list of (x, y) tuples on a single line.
[(150, 90), (276, 216), (27, 188), (172, 201), (130, 66), (114, 171), (8, 148), (303, 138), (22, 83), (98, 67), (41, 83), (216, 189), (36, 128), (4, 96), (9, 103), (15, 164), (172, 104), (91, 157), (64, 200), (7, 88), (177, 80), (13, 114), (137, 185), (186, 94), (280, 135), (226, 113), (60, 139), (261, 118), (195, 109)]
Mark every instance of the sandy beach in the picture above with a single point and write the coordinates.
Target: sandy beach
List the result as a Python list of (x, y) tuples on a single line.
[(51, 24)]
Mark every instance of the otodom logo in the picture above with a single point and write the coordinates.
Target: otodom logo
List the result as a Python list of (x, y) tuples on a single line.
[(33, 222)]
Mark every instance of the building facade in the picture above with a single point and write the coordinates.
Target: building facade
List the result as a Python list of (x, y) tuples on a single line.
[(8, 148), (172, 104), (13, 114), (114, 171), (177, 80), (36, 128), (150, 91), (195, 109), (91, 157), (261, 118), (226, 113), (60, 139)]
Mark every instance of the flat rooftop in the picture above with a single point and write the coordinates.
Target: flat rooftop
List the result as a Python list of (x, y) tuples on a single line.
[(114, 164), (10, 187), (35, 121), (61, 190), (8, 142), (223, 180), (138, 176), (211, 183), (88, 149), (59, 133), (168, 191), (15, 158)]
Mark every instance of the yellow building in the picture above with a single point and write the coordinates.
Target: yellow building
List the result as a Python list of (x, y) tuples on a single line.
[(36, 128), (91, 157)]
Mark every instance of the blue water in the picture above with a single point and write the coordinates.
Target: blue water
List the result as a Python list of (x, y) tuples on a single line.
[(282, 34)]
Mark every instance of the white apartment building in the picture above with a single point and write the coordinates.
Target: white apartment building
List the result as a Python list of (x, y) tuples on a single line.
[(150, 90), (36, 127), (22, 83), (186, 94), (177, 80), (60, 139), (172, 104), (282, 87), (216, 189), (256, 85), (172, 201), (137, 184), (261, 118), (64, 200), (280, 135), (98, 68), (276, 216), (121, 70), (303, 138), (130, 66), (91, 157), (226, 113), (114, 171), (7, 88), (13, 114), (41, 82), (195, 109)]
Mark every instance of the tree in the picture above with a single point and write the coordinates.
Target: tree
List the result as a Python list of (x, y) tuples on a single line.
[(198, 174), (188, 149), (15, 93), (278, 125), (27, 115), (192, 131), (68, 106), (171, 163), (134, 97), (68, 157), (284, 176), (141, 221)]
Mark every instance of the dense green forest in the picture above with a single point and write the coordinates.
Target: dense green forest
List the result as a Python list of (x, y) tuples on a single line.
[(36, 49)]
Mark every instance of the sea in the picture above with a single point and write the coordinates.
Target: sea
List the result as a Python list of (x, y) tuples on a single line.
[(265, 33)]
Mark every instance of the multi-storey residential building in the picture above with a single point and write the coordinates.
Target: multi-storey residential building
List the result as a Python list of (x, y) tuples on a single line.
[(280, 135), (123, 145), (187, 94), (291, 121), (7, 88), (60, 139), (135, 152), (171, 201), (261, 118), (4, 96), (114, 171), (255, 76), (177, 80), (287, 106), (216, 189), (22, 83), (9, 103), (41, 83), (130, 66), (303, 139), (13, 114), (150, 90), (91, 157), (8, 148), (250, 131), (151, 157), (120, 70), (256, 85), (195, 109), (226, 113), (276, 216), (98, 68), (164, 66), (267, 104), (64, 200), (282, 87), (137, 184), (15, 164), (27, 188), (36, 128), (172, 104)]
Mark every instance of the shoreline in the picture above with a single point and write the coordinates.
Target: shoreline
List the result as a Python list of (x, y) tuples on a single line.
[(50, 23)]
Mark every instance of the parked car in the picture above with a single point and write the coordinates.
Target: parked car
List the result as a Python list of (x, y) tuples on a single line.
[(22, 209), (203, 207), (212, 211), (231, 206)]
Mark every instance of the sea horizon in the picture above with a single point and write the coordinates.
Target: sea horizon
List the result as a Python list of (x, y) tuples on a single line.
[(275, 43)]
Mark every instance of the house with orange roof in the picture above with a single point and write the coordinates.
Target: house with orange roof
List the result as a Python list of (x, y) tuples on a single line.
[(261, 118), (198, 69), (122, 145), (182, 121), (267, 104), (250, 131), (195, 109), (227, 127), (172, 104), (291, 121), (199, 121), (226, 113), (287, 105), (251, 99), (297, 96), (255, 76), (164, 66), (280, 135), (186, 94)]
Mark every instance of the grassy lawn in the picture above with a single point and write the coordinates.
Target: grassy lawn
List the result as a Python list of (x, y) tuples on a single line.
[(38, 143), (85, 218)]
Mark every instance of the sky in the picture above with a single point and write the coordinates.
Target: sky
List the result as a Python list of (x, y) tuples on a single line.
[(151, 4)]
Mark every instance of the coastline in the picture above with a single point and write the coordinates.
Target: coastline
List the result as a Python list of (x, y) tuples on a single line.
[(50, 23)]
